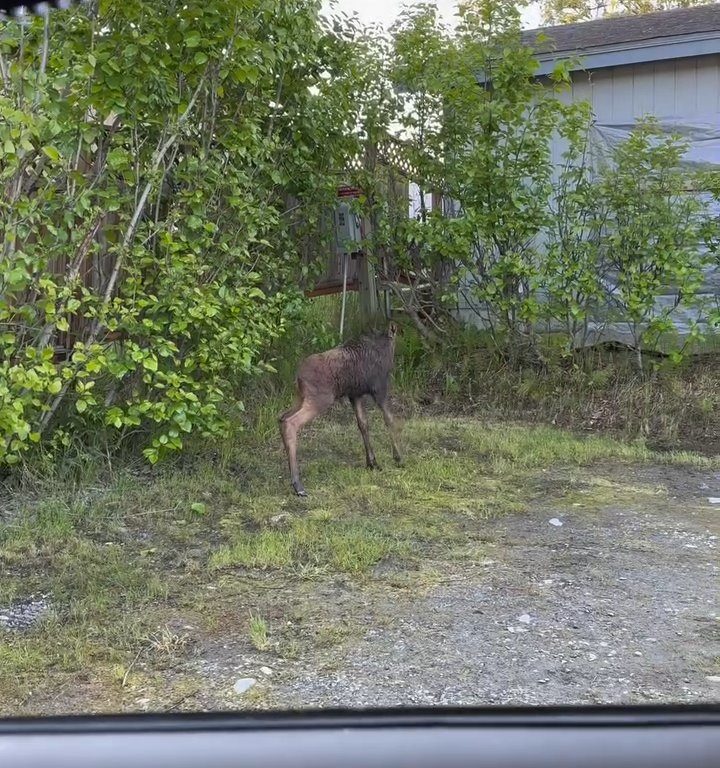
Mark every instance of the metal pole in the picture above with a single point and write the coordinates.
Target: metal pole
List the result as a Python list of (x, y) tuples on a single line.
[(344, 294)]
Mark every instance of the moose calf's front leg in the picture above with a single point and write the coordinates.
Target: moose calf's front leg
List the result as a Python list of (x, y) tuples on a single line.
[(362, 423)]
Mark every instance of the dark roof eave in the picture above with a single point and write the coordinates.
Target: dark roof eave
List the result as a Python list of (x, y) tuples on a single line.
[(622, 40), (649, 51), (646, 51)]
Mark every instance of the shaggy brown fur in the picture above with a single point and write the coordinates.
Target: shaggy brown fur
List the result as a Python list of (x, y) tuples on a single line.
[(353, 369)]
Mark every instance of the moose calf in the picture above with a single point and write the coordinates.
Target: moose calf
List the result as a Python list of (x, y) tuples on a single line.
[(353, 369)]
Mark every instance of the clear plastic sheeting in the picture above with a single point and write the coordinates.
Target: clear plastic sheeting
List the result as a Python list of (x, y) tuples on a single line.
[(703, 138), (702, 135)]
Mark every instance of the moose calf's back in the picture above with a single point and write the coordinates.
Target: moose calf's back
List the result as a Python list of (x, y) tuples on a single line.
[(350, 370)]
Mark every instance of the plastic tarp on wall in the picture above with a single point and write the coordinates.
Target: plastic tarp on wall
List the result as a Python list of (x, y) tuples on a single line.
[(703, 138)]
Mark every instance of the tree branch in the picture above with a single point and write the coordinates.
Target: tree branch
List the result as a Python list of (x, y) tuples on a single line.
[(127, 240), (72, 275)]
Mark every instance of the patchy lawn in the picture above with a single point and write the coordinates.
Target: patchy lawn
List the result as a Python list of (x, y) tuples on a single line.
[(166, 587)]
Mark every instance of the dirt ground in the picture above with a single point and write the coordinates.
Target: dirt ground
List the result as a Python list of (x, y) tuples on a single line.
[(600, 585), (615, 607)]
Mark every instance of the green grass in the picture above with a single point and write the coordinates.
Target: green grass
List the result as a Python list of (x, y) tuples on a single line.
[(259, 632), (321, 542), (597, 492), (220, 534), (457, 472)]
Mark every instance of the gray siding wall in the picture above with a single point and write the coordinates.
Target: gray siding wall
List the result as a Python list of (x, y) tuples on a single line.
[(685, 89), (683, 92)]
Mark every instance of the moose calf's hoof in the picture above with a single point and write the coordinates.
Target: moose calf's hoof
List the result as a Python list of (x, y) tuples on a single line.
[(299, 490)]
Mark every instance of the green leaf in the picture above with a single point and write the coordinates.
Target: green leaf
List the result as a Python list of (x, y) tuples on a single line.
[(51, 152), (16, 277), (118, 159), (81, 406)]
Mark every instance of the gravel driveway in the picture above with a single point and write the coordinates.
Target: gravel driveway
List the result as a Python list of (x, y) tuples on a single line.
[(605, 608)]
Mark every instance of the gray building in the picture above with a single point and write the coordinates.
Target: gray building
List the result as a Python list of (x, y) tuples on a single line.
[(665, 64)]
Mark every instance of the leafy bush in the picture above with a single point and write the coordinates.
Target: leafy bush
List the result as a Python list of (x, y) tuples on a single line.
[(521, 247), (624, 232), (148, 155), (478, 128), (653, 231)]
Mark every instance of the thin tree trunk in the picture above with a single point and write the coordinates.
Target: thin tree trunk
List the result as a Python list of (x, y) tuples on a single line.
[(72, 275), (127, 240)]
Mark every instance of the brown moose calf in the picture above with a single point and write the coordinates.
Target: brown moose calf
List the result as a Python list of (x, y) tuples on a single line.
[(353, 369)]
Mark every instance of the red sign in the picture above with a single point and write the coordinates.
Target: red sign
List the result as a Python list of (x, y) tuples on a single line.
[(348, 192)]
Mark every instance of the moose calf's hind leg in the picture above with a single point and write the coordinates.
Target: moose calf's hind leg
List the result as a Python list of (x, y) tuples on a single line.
[(289, 431), (290, 425)]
